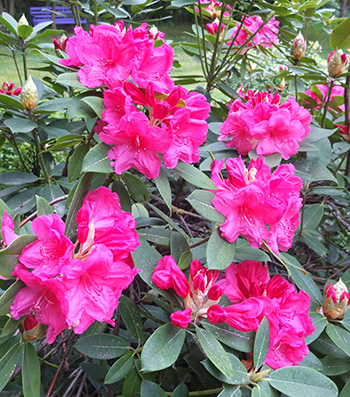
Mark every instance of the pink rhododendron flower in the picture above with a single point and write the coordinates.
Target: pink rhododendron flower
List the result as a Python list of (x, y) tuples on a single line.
[(213, 28), (258, 205), (214, 8), (9, 89), (7, 229), (257, 121), (200, 292), (276, 299), (336, 94), (143, 123), (265, 36), (72, 285), (109, 55)]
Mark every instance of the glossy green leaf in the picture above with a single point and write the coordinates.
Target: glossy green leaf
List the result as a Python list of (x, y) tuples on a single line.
[(96, 104), (97, 160), (24, 31), (201, 201), (70, 79), (240, 375), (340, 337), (313, 215), (345, 392), (319, 322), (131, 318), (178, 245), (220, 253), (146, 258), (132, 384), (75, 164), (8, 364), (42, 206), (231, 391), (30, 372), (332, 366), (12, 101), (264, 389), (7, 297), (241, 341), (9, 22), (312, 170), (194, 176), (102, 347), (261, 343), (156, 235), (137, 189), (215, 352), (185, 260), (162, 348), (163, 187), (151, 389), (340, 37), (17, 178), (77, 108), (9, 329), (119, 369), (17, 125), (302, 381), (180, 391)]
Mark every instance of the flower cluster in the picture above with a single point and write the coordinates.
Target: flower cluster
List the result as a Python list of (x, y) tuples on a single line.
[(143, 123), (214, 8), (109, 55), (336, 95), (255, 296), (200, 291), (258, 121), (9, 89), (258, 205), (72, 285)]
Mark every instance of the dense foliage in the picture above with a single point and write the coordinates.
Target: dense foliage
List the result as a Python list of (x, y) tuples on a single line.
[(174, 234)]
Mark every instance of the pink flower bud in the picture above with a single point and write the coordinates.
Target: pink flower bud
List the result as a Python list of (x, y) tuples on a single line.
[(336, 301), (299, 47), (60, 44), (181, 318), (215, 293), (337, 62), (29, 94), (31, 329), (216, 314)]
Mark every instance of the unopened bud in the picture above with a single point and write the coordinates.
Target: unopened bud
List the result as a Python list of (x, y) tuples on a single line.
[(337, 62), (335, 301), (29, 94), (60, 44), (299, 47), (23, 21), (31, 329)]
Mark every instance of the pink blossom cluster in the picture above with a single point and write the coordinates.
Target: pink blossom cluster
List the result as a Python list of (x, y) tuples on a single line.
[(214, 8), (9, 89), (72, 285), (258, 121), (200, 291), (337, 90), (109, 55), (142, 123), (266, 34), (254, 295), (258, 205)]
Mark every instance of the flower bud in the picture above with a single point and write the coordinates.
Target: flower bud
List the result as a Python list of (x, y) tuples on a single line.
[(299, 47), (29, 94), (337, 62), (181, 318), (60, 44), (23, 21), (31, 329), (335, 301), (216, 314)]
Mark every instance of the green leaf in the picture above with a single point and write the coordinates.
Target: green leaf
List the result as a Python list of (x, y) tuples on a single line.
[(70, 79), (7, 297), (194, 176), (96, 104), (102, 347), (136, 187), (345, 390), (79, 109), (340, 37), (313, 215), (30, 372), (156, 235), (272, 160), (9, 255), (215, 352), (302, 381), (24, 31), (146, 258), (201, 201), (53, 105), (42, 206), (178, 245), (17, 125), (185, 260), (244, 251), (9, 329), (9, 22), (261, 343), (163, 187), (312, 170), (132, 384), (231, 391), (151, 389), (340, 337), (263, 389), (162, 348), (76, 162), (119, 369), (220, 253), (97, 160), (319, 322), (317, 134), (180, 391), (303, 281), (240, 375), (8, 364), (332, 366), (131, 318), (17, 178), (11, 101), (238, 340)]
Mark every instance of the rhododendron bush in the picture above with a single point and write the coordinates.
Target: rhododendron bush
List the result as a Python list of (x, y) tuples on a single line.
[(173, 234)]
